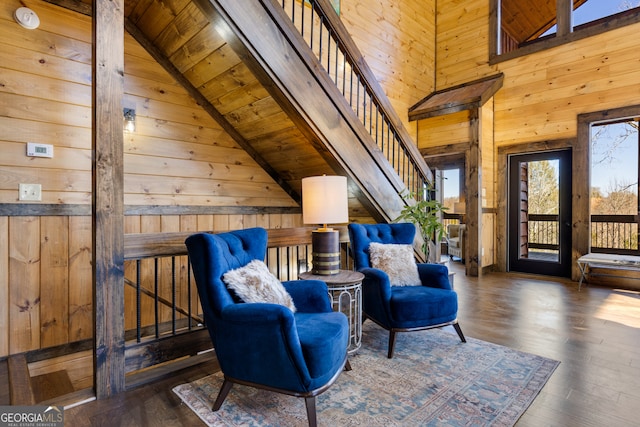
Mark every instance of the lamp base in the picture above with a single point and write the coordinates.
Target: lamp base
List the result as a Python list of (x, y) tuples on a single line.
[(325, 247)]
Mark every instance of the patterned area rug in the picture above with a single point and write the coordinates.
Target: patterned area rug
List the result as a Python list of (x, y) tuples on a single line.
[(432, 380)]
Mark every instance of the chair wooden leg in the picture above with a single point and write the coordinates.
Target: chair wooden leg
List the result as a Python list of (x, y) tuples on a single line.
[(224, 390), (392, 343), (347, 366), (459, 331), (310, 402)]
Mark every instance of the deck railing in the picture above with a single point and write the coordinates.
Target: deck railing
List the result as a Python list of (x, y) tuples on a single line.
[(326, 36), (614, 234), (161, 301)]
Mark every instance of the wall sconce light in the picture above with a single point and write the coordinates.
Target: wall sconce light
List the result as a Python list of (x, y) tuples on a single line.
[(129, 119), (325, 201), (27, 18)]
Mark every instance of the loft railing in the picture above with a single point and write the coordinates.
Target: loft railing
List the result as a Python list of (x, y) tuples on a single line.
[(161, 302), (326, 36)]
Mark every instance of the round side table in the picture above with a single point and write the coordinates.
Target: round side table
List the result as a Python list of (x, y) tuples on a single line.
[(345, 291)]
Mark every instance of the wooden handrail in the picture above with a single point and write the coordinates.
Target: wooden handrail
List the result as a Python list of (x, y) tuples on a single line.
[(151, 245), (339, 31), (368, 100)]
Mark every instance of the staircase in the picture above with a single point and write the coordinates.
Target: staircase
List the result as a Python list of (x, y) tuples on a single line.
[(319, 77), (287, 83)]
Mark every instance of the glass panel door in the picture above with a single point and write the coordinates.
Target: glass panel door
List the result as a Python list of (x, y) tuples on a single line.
[(540, 213)]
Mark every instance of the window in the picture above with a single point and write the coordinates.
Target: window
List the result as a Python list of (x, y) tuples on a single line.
[(451, 189), (614, 186), (522, 27)]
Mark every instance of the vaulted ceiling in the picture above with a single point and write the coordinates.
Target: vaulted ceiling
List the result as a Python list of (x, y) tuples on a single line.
[(526, 20)]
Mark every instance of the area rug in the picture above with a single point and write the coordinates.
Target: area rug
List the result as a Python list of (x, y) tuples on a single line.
[(432, 380)]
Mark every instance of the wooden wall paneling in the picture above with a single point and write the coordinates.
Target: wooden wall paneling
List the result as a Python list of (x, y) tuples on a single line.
[(44, 64), (397, 40), (488, 240), (465, 60), (163, 110), (236, 222), (23, 130), (55, 43), (54, 280), (154, 89), (221, 222), (261, 166), (24, 283), (45, 110), (443, 130), (4, 287), (24, 84), (145, 68), (205, 223), (190, 168), (80, 284), (73, 159), (50, 15), (263, 220)]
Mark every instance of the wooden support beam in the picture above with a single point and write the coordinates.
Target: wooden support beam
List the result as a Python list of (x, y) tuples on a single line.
[(108, 196), (564, 15), (474, 200), (20, 381)]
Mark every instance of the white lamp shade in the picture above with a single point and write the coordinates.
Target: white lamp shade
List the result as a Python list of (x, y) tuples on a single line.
[(325, 200)]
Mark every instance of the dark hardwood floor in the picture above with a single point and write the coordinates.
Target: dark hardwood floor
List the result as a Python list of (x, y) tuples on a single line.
[(595, 334)]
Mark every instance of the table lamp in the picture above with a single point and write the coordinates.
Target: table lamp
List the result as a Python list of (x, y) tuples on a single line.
[(325, 201)]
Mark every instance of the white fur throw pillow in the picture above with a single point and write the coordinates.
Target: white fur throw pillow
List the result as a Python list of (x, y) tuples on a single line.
[(397, 261), (255, 283)]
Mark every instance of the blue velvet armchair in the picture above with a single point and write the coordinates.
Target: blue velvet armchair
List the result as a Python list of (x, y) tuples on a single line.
[(267, 345), (402, 308)]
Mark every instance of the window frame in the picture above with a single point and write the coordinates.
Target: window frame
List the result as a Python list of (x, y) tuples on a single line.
[(563, 36), (583, 190)]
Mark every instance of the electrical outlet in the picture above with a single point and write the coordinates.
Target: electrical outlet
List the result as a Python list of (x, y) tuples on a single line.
[(32, 192)]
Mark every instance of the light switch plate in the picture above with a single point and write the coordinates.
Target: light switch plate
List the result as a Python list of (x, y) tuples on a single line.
[(30, 192)]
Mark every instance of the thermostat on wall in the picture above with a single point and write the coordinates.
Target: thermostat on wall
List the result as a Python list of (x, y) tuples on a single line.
[(39, 150)]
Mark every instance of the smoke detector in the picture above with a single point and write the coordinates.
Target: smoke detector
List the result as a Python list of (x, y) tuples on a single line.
[(26, 18)]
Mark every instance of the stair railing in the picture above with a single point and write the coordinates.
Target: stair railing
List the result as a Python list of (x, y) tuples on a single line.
[(325, 34)]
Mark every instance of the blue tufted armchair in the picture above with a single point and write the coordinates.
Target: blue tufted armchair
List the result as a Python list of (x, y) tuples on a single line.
[(261, 344), (402, 308)]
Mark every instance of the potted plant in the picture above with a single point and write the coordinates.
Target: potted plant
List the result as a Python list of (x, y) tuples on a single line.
[(425, 213)]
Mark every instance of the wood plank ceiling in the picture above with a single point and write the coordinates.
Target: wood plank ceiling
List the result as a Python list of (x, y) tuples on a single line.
[(180, 32), (526, 20)]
